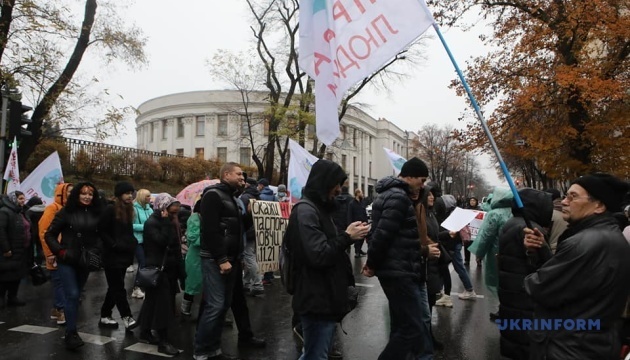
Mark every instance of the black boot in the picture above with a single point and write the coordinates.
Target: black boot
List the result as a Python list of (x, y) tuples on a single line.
[(73, 341), (166, 348)]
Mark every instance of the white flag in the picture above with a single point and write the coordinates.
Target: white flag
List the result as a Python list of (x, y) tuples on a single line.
[(300, 164), (344, 41), (44, 179), (396, 160), (12, 171)]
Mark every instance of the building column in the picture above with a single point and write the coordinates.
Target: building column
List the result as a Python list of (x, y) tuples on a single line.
[(170, 133)]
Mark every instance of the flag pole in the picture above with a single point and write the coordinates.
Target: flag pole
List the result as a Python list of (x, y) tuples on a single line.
[(484, 125)]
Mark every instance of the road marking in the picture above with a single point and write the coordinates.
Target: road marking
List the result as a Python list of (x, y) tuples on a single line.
[(32, 329), (364, 285), (146, 349), (95, 339)]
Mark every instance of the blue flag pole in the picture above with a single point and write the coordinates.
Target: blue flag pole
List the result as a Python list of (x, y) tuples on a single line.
[(484, 125)]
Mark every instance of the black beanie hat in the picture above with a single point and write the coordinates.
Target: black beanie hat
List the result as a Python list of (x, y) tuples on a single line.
[(605, 188), (122, 187), (414, 167)]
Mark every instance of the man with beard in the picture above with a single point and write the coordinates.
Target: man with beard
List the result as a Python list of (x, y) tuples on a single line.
[(587, 277)]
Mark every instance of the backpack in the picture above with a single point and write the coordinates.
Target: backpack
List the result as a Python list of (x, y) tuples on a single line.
[(288, 266)]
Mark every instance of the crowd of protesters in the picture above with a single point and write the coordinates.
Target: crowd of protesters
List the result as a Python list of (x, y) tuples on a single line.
[(553, 258)]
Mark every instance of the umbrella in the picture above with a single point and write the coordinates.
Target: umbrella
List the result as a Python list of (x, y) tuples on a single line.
[(190, 192)]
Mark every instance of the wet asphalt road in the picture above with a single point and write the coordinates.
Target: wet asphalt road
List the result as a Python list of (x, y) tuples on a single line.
[(465, 330)]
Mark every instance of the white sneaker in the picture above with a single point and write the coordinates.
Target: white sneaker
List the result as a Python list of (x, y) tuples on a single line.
[(137, 293), (108, 322), (445, 300), (130, 269), (129, 322), (468, 295)]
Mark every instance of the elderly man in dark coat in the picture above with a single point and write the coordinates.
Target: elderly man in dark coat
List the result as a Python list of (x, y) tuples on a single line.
[(587, 278)]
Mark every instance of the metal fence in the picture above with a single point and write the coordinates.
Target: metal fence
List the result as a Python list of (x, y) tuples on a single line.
[(108, 159)]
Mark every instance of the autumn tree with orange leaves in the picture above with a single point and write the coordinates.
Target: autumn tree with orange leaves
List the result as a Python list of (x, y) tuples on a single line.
[(560, 75)]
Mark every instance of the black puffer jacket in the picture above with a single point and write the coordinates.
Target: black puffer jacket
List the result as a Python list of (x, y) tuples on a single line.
[(587, 278), (324, 272), (514, 266), (78, 229), (12, 239), (221, 224), (394, 249), (119, 243)]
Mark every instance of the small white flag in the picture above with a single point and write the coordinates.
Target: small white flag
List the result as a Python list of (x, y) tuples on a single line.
[(12, 171), (396, 160), (300, 164)]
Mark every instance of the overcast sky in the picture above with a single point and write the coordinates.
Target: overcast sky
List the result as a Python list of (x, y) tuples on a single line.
[(182, 36)]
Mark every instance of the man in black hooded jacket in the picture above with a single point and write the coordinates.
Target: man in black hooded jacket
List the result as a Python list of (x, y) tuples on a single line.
[(323, 272)]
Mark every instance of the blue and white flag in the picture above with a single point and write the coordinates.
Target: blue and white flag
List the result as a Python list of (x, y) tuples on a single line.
[(396, 160), (43, 180), (344, 41), (300, 164)]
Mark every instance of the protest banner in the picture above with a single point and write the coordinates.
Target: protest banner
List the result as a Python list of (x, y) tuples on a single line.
[(270, 223), (43, 180)]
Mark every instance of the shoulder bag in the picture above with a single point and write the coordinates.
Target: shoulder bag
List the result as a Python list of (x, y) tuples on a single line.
[(149, 276)]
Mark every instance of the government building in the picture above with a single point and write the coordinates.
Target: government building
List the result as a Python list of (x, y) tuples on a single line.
[(212, 125)]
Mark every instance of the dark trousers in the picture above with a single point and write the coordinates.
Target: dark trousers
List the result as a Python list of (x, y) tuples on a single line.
[(410, 320), (116, 293), (466, 252), (10, 288), (445, 274), (239, 306), (357, 246)]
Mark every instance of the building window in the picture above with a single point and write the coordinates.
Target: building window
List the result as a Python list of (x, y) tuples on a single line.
[(370, 169), (222, 154), (355, 135), (152, 131), (164, 129), (354, 164), (222, 125), (246, 156), (200, 125), (244, 126), (179, 152), (343, 161), (329, 156), (342, 130), (180, 127), (164, 152), (266, 127), (199, 153), (370, 145)]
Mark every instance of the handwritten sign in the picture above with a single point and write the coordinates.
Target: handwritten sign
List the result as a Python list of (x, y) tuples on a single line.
[(270, 223)]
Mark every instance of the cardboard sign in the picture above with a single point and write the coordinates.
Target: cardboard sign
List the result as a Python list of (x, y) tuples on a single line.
[(270, 223)]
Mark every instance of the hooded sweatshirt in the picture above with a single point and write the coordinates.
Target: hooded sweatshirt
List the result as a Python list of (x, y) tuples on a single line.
[(61, 196)]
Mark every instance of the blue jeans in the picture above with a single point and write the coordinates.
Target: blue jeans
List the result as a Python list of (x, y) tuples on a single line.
[(72, 280), (410, 320), (140, 255), (217, 299), (318, 337), (251, 278), (59, 298), (458, 265)]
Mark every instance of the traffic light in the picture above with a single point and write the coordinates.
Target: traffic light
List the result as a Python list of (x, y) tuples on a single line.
[(18, 118)]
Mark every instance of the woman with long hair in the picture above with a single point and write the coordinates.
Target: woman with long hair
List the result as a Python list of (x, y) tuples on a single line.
[(119, 248), (14, 244), (162, 235), (77, 223), (142, 208)]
